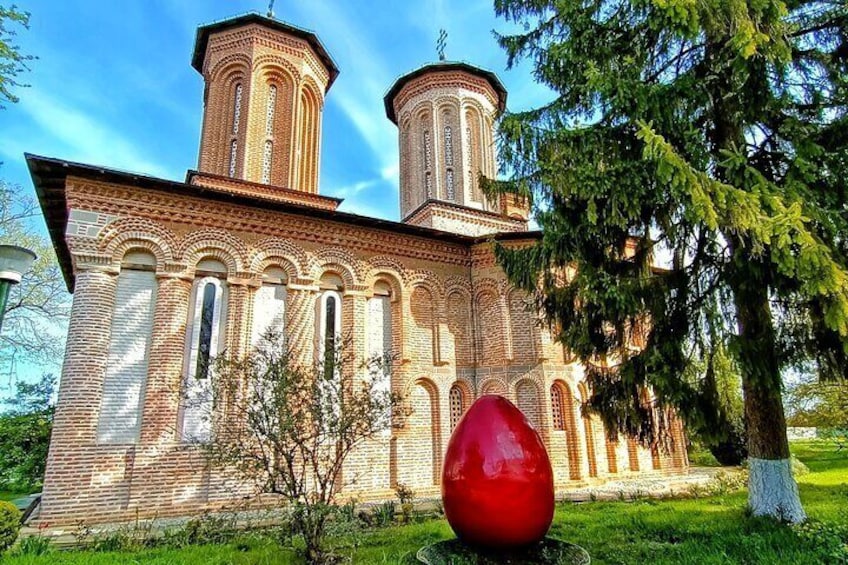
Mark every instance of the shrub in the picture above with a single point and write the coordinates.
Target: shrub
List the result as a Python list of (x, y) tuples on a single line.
[(10, 525), (34, 546), (828, 538), (798, 467), (384, 514), (407, 497)]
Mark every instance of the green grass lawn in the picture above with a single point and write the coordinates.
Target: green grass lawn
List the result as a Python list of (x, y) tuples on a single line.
[(698, 531)]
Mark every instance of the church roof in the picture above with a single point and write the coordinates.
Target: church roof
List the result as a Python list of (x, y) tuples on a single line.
[(203, 33), (49, 176), (443, 66)]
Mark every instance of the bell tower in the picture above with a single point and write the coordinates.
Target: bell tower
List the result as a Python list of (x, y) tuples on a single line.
[(264, 97), (445, 114)]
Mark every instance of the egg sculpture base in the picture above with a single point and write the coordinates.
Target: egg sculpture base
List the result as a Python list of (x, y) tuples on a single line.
[(498, 492), (546, 552)]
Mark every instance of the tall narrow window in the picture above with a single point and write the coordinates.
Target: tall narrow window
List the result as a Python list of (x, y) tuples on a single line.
[(556, 408), (237, 109), (266, 161), (448, 147), (205, 338), (207, 314), (270, 109), (329, 313), (456, 405), (330, 337), (450, 191), (428, 159)]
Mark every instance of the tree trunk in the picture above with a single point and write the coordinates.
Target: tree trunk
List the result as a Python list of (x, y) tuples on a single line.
[(772, 490)]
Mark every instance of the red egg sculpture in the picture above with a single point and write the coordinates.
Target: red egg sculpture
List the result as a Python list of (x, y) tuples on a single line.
[(497, 481)]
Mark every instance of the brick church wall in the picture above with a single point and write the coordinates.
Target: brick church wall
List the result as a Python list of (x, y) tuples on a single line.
[(455, 322)]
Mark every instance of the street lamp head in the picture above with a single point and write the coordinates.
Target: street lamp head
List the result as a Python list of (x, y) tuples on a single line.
[(14, 262)]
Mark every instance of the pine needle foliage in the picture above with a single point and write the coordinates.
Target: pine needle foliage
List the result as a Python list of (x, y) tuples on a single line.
[(712, 132)]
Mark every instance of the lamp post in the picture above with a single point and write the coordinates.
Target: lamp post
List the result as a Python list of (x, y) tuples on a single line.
[(14, 262)]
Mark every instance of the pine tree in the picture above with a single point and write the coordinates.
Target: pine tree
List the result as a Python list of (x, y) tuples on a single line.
[(715, 130)]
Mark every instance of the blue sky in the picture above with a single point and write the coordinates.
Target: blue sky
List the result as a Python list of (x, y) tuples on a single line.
[(113, 85)]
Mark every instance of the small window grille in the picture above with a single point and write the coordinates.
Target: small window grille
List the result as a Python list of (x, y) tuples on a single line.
[(556, 408), (428, 183), (449, 189), (269, 111), (233, 157), (455, 406), (448, 147), (237, 110), (427, 154), (266, 161)]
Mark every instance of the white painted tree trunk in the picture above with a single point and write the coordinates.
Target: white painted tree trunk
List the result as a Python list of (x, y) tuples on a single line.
[(772, 490)]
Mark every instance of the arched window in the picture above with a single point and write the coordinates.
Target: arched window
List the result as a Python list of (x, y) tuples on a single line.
[(380, 321), (557, 416), (266, 161), (329, 332), (457, 405), (236, 124), (207, 319), (563, 418), (206, 302), (428, 162), (269, 310), (473, 161), (450, 191), (379, 342)]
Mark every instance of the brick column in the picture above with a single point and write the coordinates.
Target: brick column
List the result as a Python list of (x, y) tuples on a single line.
[(354, 324), (239, 313), (86, 353), (68, 471)]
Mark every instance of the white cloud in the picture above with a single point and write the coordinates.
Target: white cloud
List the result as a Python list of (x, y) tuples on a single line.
[(352, 189), (80, 137), (359, 95)]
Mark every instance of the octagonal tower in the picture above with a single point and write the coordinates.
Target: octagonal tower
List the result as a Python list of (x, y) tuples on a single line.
[(263, 102), (445, 113)]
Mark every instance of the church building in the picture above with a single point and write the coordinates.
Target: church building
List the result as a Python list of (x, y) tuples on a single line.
[(165, 274)]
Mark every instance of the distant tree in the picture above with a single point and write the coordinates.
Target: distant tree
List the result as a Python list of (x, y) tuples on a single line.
[(38, 307), (12, 61), (716, 130), (25, 429), (813, 403), (286, 430)]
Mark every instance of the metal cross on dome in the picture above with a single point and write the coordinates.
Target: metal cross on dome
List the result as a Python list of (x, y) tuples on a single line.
[(441, 43)]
